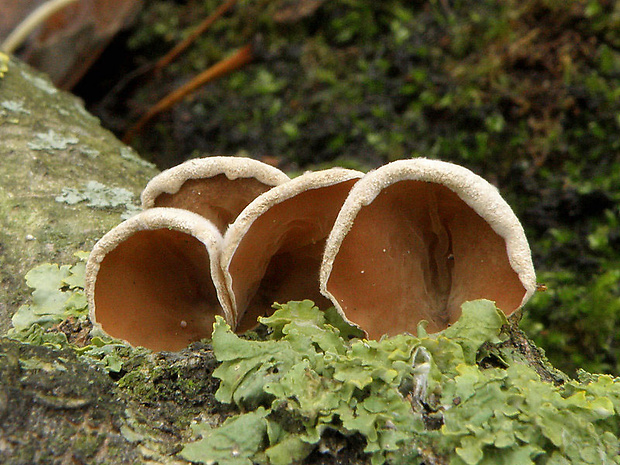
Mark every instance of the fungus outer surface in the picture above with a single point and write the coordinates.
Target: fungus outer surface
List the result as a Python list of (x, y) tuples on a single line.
[(417, 238), (218, 188), (154, 280)]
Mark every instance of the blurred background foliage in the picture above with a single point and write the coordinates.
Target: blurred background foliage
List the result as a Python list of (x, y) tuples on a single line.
[(525, 93)]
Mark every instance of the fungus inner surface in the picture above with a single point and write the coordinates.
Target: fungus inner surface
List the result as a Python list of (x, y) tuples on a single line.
[(418, 251), (279, 257), (218, 198), (155, 290)]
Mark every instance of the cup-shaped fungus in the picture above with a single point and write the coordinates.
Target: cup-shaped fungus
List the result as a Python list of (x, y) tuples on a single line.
[(218, 188), (154, 280), (417, 238), (273, 251)]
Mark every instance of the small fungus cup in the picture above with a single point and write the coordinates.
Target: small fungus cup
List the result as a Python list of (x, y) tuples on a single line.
[(273, 250), (155, 281), (417, 238), (218, 188)]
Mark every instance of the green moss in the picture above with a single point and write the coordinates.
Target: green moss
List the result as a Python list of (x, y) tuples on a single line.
[(151, 381), (583, 332)]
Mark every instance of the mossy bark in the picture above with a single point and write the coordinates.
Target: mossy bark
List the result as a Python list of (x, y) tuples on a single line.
[(59, 408), (56, 409), (48, 143)]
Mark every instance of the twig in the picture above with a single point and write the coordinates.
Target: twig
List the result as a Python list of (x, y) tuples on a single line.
[(156, 68), (221, 68), (200, 29)]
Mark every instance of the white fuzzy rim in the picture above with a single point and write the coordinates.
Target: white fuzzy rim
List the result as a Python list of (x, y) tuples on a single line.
[(159, 218), (171, 180), (477, 193), (307, 181)]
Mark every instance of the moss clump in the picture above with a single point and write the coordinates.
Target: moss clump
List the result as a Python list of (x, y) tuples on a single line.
[(183, 379)]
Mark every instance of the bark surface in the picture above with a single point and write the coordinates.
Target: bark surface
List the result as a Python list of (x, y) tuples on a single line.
[(64, 180)]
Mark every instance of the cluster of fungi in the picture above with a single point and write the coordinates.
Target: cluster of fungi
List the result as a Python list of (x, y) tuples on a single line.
[(229, 236)]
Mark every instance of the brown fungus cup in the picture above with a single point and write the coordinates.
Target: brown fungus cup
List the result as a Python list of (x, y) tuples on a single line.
[(155, 281), (218, 188), (273, 250), (417, 238)]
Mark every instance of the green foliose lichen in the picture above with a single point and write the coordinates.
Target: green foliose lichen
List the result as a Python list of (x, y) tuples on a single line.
[(58, 295), (406, 395)]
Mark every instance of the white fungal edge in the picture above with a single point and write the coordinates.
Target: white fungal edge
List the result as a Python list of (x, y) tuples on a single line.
[(149, 220), (237, 230), (476, 192), (170, 181)]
